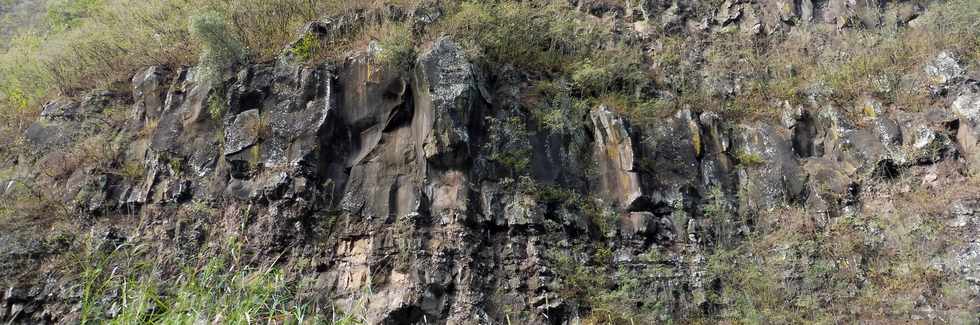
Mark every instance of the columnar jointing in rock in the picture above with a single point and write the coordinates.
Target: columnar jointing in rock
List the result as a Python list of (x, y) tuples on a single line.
[(429, 195)]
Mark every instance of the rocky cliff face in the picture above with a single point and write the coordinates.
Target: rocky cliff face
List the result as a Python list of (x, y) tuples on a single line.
[(432, 196)]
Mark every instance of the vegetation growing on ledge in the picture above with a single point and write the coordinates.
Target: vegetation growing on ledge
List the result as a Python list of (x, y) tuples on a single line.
[(91, 44)]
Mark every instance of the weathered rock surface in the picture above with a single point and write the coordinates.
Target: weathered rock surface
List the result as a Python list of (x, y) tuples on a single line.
[(431, 195), (966, 106), (620, 183)]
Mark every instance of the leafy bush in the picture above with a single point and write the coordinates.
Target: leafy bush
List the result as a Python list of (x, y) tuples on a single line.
[(582, 278), (592, 77), (509, 146), (132, 171), (396, 46), (749, 159), (555, 109), (220, 50), (524, 34), (66, 14), (216, 107), (618, 68), (608, 294), (306, 48)]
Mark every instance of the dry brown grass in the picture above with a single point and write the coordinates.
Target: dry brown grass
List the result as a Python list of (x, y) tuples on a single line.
[(876, 265)]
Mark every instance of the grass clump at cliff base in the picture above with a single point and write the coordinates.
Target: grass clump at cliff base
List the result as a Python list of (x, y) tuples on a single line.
[(124, 284)]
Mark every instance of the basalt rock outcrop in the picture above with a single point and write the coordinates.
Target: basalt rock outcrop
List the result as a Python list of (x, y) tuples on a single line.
[(432, 196)]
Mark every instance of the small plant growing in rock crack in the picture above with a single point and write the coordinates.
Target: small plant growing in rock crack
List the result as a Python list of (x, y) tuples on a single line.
[(306, 48), (600, 215), (564, 197), (557, 111), (403, 233), (718, 210), (508, 144), (202, 207), (132, 170), (216, 106), (255, 156), (749, 159)]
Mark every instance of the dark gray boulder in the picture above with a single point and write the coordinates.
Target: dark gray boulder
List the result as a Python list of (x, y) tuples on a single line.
[(769, 173), (149, 88), (448, 101), (669, 162)]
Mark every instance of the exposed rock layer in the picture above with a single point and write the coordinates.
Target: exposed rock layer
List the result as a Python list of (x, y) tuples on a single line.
[(433, 190)]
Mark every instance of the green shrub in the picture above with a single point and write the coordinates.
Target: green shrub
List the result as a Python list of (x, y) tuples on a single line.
[(538, 37), (749, 159), (556, 120), (307, 47), (557, 194), (556, 110), (582, 279), (508, 145), (592, 78), (618, 68), (132, 171), (66, 14), (600, 215), (397, 46), (722, 216), (517, 161), (216, 106), (220, 49), (608, 294)]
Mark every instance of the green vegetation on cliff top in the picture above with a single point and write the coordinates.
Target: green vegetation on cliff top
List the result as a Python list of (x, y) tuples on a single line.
[(89, 44)]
